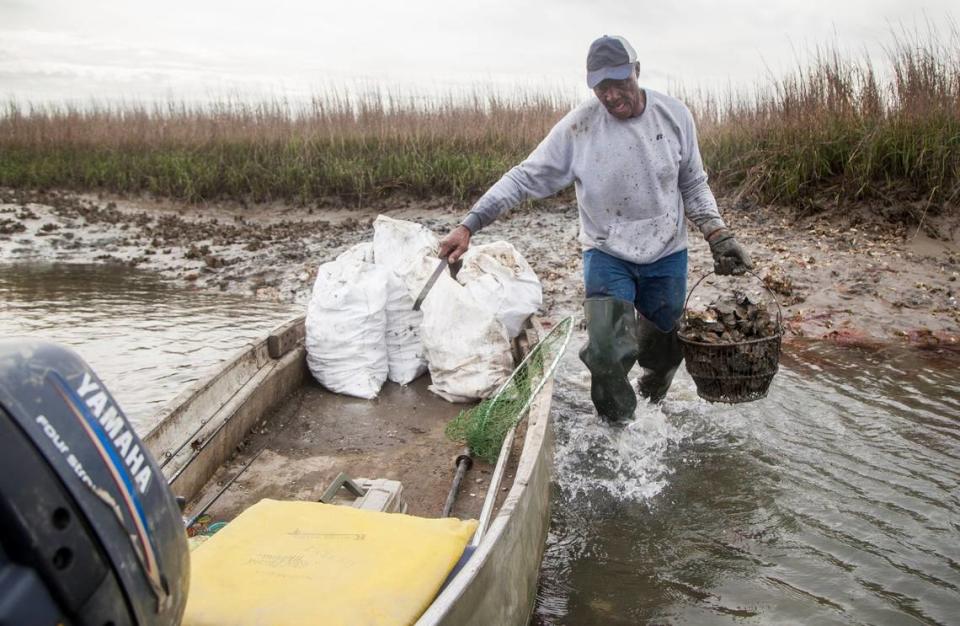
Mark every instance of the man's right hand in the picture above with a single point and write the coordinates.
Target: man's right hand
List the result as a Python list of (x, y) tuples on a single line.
[(455, 244)]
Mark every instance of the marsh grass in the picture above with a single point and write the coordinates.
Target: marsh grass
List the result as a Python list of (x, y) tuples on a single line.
[(833, 131), (841, 130), (336, 146)]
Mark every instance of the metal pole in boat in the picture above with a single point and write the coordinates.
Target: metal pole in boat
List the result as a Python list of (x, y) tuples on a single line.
[(203, 509), (464, 462), (196, 450), (190, 440), (487, 511)]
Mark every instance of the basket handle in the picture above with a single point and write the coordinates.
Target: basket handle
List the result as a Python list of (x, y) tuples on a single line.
[(770, 291)]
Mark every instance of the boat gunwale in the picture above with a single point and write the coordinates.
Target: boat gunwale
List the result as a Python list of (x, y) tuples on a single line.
[(174, 429), (535, 459)]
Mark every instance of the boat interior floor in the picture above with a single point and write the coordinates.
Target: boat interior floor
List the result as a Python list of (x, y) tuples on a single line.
[(314, 435)]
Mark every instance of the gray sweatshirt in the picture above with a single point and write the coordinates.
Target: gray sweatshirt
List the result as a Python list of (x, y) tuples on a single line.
[(635, 179)]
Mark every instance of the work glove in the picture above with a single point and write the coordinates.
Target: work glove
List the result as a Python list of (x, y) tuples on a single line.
[(729, 257)]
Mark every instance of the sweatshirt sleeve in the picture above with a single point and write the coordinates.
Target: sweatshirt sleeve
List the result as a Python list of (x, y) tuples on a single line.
[(548, 170), (699, 204)]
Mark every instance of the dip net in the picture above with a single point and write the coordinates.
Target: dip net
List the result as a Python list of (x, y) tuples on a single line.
[(484, 427)]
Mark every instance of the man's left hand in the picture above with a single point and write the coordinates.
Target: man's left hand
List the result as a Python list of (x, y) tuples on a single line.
[(729, 257)]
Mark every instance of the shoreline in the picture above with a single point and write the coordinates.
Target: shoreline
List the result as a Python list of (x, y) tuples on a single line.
[(851, 279)]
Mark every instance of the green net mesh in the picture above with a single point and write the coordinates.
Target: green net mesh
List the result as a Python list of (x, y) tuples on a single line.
[(484, 427)]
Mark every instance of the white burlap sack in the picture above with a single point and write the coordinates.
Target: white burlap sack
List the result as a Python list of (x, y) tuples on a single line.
[(398, 244), (346, 325), (498, 277), (465, 344)]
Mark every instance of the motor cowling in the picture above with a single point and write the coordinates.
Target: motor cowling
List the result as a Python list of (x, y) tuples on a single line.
[(89, 530)]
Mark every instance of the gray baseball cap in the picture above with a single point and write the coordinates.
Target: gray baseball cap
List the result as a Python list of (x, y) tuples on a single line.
[(609, 57)]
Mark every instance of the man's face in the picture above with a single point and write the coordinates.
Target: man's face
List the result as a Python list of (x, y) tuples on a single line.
[(620, 97)]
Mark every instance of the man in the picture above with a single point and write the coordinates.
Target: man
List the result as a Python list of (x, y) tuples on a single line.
[(633, 158)]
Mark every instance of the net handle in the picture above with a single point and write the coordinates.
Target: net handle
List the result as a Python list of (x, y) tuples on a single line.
[(533, 349), (490, 500), (770, 291)]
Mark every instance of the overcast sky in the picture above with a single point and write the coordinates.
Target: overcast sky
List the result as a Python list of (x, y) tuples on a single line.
[(56, 50)]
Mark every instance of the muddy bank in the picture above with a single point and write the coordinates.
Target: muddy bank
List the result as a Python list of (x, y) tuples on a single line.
[(855, 279)]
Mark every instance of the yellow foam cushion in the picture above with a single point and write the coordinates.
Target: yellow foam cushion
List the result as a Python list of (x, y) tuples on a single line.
[(281, 563)]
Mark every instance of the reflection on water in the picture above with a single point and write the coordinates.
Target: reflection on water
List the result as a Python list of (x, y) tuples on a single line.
[(835, 500), (145, 339)]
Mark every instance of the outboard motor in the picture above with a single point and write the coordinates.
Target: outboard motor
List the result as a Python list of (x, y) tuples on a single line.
[(89, 531)]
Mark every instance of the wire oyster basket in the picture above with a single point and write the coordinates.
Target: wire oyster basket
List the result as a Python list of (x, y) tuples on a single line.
[(734, 357)]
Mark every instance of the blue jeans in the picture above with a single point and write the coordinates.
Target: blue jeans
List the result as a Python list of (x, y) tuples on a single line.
[(657, 289)]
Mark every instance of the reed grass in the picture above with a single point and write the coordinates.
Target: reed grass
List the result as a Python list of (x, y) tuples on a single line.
[(338, 145), (841, 130), (838, 129)]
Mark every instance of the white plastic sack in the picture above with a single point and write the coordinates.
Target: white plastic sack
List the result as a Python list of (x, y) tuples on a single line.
[(498, 276), (465, 344), (359, 253), (397, 244), (405, 356), (346, 325)]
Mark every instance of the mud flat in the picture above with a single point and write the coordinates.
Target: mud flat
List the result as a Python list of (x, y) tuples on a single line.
[(855, 278)]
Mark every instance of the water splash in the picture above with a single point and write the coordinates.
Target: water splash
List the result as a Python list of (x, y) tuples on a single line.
[(626, 461)]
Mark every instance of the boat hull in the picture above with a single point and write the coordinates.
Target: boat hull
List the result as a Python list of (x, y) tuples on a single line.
[(497, 585)]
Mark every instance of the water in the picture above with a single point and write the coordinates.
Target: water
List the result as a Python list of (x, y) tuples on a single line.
[(145, 339), (833, 501)]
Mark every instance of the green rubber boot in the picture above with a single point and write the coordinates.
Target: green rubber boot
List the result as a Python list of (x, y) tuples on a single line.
[(659, 354), (610, 352)]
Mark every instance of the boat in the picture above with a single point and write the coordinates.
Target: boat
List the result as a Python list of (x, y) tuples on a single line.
[(261, 417)]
